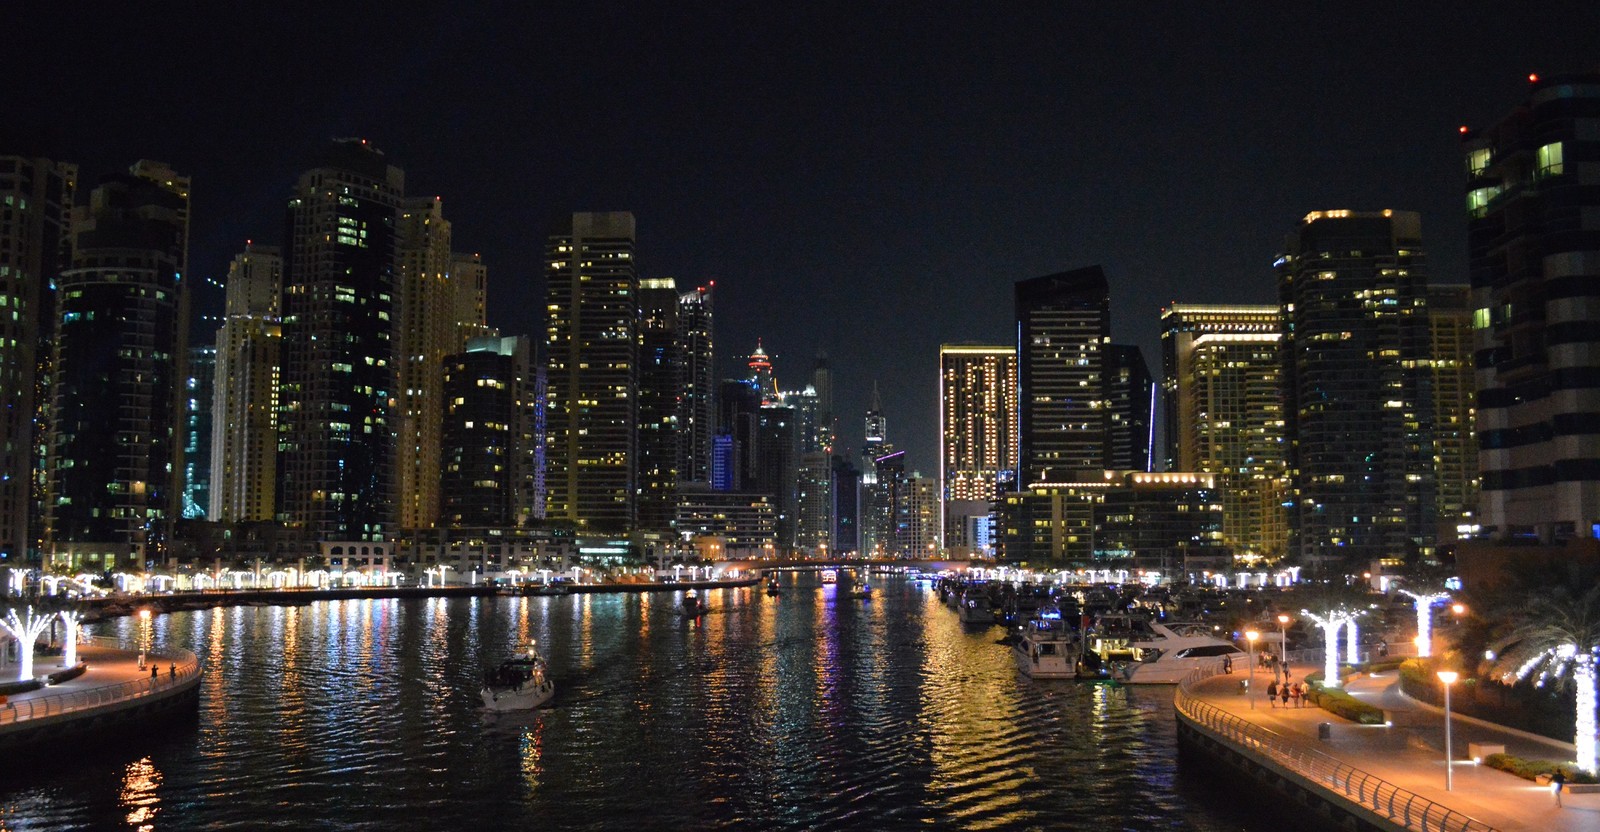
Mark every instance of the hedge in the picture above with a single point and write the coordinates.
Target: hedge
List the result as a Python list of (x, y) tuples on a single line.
[(1339, 703), (1531, 769)]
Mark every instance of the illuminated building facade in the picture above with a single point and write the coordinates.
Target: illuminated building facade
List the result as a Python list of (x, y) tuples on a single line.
[(426, 307), (35, 228), (660, 386), (113, 488), (1359, 410), (978, 437), (488, 435), (244, 438), (592, 372), (199, 399), (743, 525), (697, 405), (1223, 395), (1535, 267), (1063, 329), (1134, 520), (1454, 405), (1130, 400), (336, 440)]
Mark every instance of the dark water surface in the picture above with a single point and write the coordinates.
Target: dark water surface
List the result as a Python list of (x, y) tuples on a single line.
[(802, 712)]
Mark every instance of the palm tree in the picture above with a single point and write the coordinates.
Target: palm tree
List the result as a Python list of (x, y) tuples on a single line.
[(1334, 607), (1554, 637), (1426, 584)]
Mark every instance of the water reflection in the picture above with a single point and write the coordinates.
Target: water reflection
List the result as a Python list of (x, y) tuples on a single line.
[(139, 784)]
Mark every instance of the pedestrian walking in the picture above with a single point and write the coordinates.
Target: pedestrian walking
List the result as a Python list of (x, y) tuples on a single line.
[(1558, 781), (1227, 664), (1283, 693), (1272, 693), (1299, 695)]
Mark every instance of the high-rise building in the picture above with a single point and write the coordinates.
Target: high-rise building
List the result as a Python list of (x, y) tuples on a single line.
[(427, 303), (778, 467), (113, 486), (916, 527), (1454, 406), (1131, 400), (1063, 329), (489, 435), (336, 448), (244, 439), (35, 229), (1222, 393), (1534, 258), (882, 468), (197, 431), (592, 360), (846, 510), (697, 405), (470, 280), (761, 376), (1359, 409), (978, 437), (814, 498), (660, 388)]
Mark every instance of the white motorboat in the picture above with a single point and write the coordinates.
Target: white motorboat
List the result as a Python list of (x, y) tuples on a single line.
[(1048, 648), (520, 683), (975, 609), (830, 576), (1160, 654)]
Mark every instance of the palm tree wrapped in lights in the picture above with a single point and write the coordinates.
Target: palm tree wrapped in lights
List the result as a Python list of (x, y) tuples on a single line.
[(1425, 602), (1554, 638), (1334, 608), (26, 630)]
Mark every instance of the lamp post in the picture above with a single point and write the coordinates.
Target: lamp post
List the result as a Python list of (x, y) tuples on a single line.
[(144, 635), (1283, 646), (1449, 678), (1250, 637)]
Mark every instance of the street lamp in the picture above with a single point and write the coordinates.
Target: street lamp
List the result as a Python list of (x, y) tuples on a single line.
[(144, 635), (1250, 636), (1283, 646), (1449, 678)]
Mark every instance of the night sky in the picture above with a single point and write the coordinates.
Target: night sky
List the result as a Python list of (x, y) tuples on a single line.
[(865, 179)]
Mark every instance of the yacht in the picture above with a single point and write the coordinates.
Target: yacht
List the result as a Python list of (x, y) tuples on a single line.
[(693, 605), (1147, 653), (520, 683), (975, 608), (1048, 648), (830, 576)]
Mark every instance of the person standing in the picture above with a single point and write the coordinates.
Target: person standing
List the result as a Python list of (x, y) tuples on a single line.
[(1283, 693), (1272, 693), (1558, 781)]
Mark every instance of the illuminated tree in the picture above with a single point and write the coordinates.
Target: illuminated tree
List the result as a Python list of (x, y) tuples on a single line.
[(26, 630), (1334, 608), (1554, 638), (70, 619)]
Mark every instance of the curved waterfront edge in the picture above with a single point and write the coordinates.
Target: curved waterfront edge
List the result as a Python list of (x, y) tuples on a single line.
[(92, 707), (1340, 796)]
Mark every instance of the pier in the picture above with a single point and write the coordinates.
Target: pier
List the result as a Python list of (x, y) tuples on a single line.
[(113, 691)]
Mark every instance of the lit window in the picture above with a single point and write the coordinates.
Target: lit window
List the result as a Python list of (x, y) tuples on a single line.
[(1550, 163)]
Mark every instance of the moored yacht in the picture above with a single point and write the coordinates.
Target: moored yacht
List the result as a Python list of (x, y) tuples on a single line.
[(1147, 653), (1048, 648)]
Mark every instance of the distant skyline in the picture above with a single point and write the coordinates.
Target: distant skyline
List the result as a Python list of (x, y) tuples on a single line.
[(862, 180)]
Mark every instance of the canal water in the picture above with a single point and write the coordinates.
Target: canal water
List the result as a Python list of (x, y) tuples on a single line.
[(808, 711)]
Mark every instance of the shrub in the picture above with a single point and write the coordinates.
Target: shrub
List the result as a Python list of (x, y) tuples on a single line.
[(1531, 769), (1339, 703)]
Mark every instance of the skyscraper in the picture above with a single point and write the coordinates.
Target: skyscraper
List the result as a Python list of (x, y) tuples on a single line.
[(1533, 258), (197, 430), (1454, 405), (244, 443), (35, 226), (336, 424), (1359, 410), (114, 489), (1063, 329), (1223, 397), (697, 401), (978, 437), (761, 374), (426, 308), (488, 437), (592, 356), (1130, 398), (660, 386)]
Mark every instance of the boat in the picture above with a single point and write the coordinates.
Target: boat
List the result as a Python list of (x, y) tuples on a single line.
[(863, 592), (772, 585), (520, 683), (830, 576), (1049, 649), (546, 590), (974, 608), (1148, 653), (693, 605)]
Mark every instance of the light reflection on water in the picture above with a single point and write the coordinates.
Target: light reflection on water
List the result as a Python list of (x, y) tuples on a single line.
[(806, 711)]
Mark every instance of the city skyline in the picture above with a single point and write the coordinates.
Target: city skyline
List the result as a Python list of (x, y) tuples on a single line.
[(870, 190)]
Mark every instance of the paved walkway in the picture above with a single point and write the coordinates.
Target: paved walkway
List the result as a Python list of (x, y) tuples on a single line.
[(1410, 753), (105, 667)]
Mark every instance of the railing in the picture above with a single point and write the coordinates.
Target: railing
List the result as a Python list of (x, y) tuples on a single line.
[(1368, 791), (183, 667)]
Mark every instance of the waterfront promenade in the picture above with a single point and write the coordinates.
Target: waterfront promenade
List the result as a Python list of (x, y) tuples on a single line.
[(1409, 754), (111, 685)]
